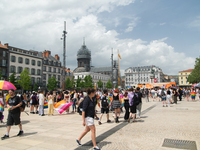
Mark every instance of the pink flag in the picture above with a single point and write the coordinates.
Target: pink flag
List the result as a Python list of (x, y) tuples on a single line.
[(61, 106)]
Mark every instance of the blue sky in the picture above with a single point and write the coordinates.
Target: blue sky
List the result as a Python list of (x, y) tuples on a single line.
[(164, 33)]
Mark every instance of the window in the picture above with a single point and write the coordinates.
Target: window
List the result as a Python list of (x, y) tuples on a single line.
[(54, 70), (49, 76), (12, 69), (13, 58), (54, 63), (20, 60), (181, 77), (181, 82), (44, 68), (38, 72), (50, 62), (58, 77), (27, 61), (33, 62), (59, 70), (38, 80), (181, 74), (4, 53), (32, 80), (49, 69), (33, 71), (44, 76), (185, 73), (19, 69), (185, 77), (3, 62), (44, 83), (54, 76), (39, 63)]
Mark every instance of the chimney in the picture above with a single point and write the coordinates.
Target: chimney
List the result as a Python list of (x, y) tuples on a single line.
[(68, 69), (57, 57), (48, 53), (6, 45), (44, 54)]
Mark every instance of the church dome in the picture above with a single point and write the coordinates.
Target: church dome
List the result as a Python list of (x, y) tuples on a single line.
[(84, 52)]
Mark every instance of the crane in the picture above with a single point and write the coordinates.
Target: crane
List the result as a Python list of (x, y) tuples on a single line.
[(119, 57)]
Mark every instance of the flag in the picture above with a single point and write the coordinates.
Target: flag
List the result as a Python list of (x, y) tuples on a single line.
[(1, 107), (98, 101), (7, 97), (61, 106), (45, 103), (119, 56)]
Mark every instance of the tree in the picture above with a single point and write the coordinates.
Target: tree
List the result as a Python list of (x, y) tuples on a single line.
[(68, 84), (194, 77), (100, 84), (78, 81), (25, 80), (109, 84), (88, 82), (82, 84), (52, 84), (116, 86), (72, 83), (12, 79), (35, 87)]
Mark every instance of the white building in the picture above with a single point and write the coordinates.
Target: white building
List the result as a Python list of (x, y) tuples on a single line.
[(141, 75), (21, 59), (95, 76)]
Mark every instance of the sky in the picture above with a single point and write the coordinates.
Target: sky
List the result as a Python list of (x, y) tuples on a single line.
[(146, 32)]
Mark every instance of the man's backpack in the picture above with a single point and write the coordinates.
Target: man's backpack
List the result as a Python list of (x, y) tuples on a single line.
[(136, 99), (80, 108), (162, 93), (104, 102)]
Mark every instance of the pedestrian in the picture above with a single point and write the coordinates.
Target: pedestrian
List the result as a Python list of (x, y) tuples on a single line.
[(104, 106), (175, 96), (146, 94), (187, 92), (193, 94), (50, 103), (41, 103), (163, 96), (34, 103), (132, 105), (126, 106), (58, 97), (180, 94), (2, 103), (168, 97), (74, 99), (14, 113), (117, 104), (139, 96), (88, 114)]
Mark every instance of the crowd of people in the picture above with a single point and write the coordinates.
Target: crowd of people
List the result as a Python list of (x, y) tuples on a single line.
[(85, 102)]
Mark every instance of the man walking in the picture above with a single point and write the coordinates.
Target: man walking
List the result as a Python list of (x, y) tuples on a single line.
[(139, 106), (14, 103)]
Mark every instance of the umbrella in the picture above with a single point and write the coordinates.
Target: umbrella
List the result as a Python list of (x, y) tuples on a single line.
[(5, 85), (197, 85), (194, 84)]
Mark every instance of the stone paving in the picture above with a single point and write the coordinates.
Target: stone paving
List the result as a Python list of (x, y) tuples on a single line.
[(59, 132)]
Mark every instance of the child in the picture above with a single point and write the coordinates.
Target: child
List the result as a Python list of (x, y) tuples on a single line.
[(104, 106), (1, 107)]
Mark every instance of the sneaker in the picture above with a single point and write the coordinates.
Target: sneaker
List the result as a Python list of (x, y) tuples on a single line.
[(163, 105), (99, 122), (79, 143), (36, 112), (138, 117), (108, 121), (96, 148), (129, 120), (20, 133), (166, 106), (5, 137)]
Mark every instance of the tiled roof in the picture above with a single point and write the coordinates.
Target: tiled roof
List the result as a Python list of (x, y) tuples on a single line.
[(1, 46), (189, 70)]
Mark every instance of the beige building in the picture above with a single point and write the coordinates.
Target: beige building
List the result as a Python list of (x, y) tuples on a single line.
[(183, 75)]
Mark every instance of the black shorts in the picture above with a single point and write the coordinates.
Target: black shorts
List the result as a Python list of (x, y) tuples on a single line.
[(133, 109), (13, 119), (104, 110)]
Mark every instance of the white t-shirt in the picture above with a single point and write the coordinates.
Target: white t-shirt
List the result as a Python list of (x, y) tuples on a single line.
[(41, 99)]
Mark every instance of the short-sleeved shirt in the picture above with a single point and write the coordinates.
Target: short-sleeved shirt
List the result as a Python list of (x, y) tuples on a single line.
[(13, 101), (89, 107)]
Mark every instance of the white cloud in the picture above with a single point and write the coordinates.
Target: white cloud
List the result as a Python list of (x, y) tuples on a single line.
[(161, 24), (132, 24), (196, 23), (39, 24)]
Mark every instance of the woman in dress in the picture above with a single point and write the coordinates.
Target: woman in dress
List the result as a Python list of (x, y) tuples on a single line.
[(126, 106), (117, 104), (50, 103)]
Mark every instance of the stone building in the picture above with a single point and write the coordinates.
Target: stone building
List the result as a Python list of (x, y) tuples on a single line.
[(4, 62)]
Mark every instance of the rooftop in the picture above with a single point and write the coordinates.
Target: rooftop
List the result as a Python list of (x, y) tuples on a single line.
[(1, 46), (189, 70)]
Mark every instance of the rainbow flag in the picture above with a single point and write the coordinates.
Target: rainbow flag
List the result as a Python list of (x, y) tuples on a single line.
[(98, 101), (8, 108), (7, 97), (61, 106), (1, 108), (193, 94), (45, 104)]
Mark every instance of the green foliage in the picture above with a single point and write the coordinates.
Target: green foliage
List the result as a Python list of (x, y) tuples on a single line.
[(194, 77), (25, 80), (100, 84), (116, 86), (68, 84), (1, 74), (78, 81), (52, 84), (72, 82), (88, 82), (109, 84), (82, 84), (35, 87)]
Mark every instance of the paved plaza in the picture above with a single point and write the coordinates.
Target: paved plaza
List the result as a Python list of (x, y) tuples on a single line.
[(157, 124)]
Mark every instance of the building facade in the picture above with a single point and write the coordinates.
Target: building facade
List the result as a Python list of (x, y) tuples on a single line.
[(21, 59), (142, 75), (95, 77), (183, 75), (4, 62)]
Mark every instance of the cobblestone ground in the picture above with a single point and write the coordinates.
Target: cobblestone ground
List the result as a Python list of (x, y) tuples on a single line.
[(59, 132)]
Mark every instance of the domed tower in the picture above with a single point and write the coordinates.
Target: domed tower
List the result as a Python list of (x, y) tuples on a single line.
[(84, 57)]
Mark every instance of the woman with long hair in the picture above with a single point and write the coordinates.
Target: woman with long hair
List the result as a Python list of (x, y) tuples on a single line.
[(88, 114), (50, 103), (117, 104), (126, 106)]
